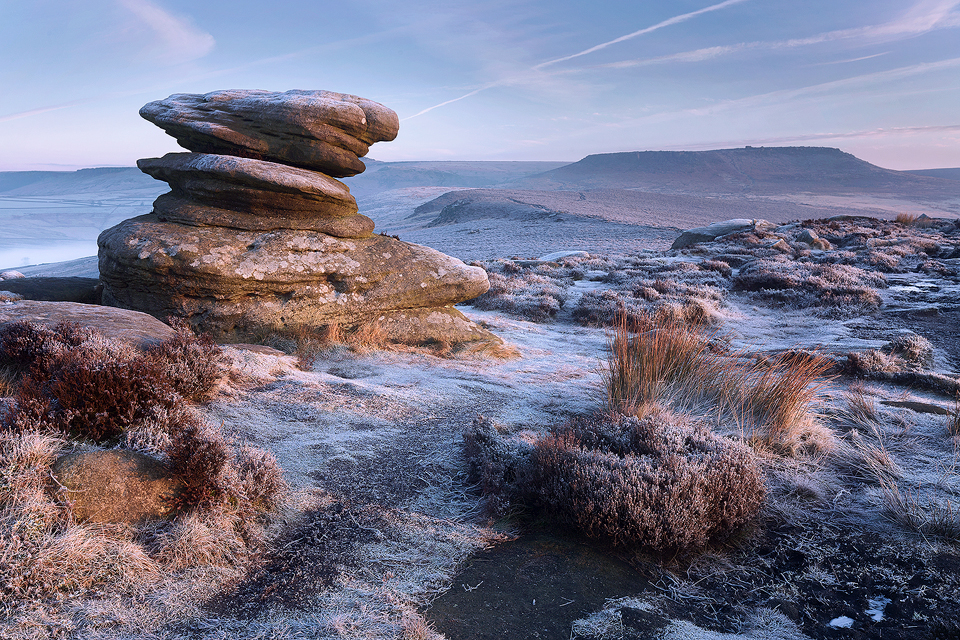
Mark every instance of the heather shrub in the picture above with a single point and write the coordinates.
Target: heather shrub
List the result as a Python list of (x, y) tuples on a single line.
[(97, 398), (656, 482), (199, 456), (193, 365), (528, 294), (843, 288), (916, 350), (25, 346), (499, 464)]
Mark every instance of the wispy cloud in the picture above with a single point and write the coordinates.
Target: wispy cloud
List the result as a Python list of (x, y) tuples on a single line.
[(40, 110), (879, 77), (922, 18), (178, 39), (537, 68), (660, 25)]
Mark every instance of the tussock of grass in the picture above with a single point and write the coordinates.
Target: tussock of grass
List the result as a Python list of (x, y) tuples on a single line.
[(674, 365), (939, 519)]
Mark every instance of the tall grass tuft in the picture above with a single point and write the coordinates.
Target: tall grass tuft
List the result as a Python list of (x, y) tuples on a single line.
[(677, 366)]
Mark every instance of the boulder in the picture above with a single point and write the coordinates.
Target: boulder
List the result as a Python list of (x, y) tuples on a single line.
[(170, 208), (11, 275), (319, 130), (251, 186), (116, 486), (235, 284), (714, 231), (131, 327)]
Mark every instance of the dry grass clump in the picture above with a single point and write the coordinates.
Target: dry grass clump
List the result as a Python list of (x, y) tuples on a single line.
[(671, 364), (953, 420), (308, 344), (42, 552), (906, 219), (656, 482), (940, 519)]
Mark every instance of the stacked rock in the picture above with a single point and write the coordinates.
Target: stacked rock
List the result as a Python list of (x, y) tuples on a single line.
[(257, 234)]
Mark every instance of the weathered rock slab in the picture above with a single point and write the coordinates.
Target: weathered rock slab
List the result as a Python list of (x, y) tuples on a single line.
[(116, 486), (170, 208), (716, 230), (235, 283), (251, 186), (319, 130), (132, 327)]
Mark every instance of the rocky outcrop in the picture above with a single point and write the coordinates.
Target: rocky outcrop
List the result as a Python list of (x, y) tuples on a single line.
[(116, 486), (255, 235), (319, 130), (122, 325)]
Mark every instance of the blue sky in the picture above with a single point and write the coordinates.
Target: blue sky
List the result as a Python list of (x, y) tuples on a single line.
[(500, 79)]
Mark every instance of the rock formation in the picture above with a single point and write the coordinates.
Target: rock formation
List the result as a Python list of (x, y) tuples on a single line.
[(256, 235)]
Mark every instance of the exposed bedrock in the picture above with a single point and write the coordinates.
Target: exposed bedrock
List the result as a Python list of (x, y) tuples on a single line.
[(319, 130), (235, 283), (256, 236), (251, 186)]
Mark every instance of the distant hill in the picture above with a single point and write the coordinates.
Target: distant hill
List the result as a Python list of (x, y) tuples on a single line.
[(128, 180), (947, 174), (751, 170)]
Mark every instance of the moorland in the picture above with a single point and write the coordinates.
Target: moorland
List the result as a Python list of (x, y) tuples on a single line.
[(789, 385)]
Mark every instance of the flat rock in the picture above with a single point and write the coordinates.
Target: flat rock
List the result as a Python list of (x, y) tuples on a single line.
[(52, 289), (236, 283), (170, 208), (714, 231), (434, 325), (132, 327), (319, 130), (556, 255), (251, 186), (116, 486)]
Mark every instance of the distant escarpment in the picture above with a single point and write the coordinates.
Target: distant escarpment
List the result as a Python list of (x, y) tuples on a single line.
[(757, 170), (258, 235)]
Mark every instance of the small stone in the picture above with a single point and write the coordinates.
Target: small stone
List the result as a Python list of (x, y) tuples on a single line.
[(116, 486)]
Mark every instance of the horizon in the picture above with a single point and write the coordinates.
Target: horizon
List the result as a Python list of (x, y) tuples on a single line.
[(368, 159), (524, 81)]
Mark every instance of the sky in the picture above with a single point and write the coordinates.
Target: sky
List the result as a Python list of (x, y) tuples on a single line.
[(500, 79)]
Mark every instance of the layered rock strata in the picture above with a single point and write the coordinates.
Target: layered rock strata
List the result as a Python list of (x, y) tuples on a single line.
[(257, 235)]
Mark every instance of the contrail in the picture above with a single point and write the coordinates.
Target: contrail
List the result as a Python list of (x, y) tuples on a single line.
[(659, 25), (443, 104), (666, 23)]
